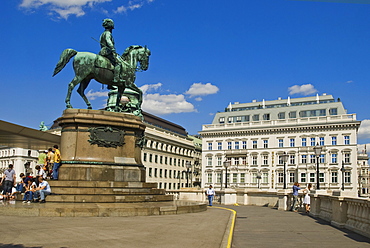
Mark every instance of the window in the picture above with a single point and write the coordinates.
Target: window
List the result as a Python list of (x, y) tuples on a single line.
[(229, 145), (219, 145), (235, 178), (291, 159), (165, 160), (266, 117), (174, 161), (165, 173), (230, 120), (304, 159), (281, 115), (170, 174), (238, 119), (254, 142), (150, 172), (347, 177), (246, 118), (244, 160), (292, 142), (321, 177), (218, 178), (280, 177), (293, 114), (237, 145), (265, 159), (209, 160), (281, 143), (291, 177), (219, 161), (312, 159), (209, 146), (144, 156), (161, 159), (334, 177), (334, 140), (242, 177), (255, 117), (313, 141), (236, 161), (334, 158), (155, 172), (322, 158), (347, 158), (170, 161), (312, 177), (221, 120), (346, 140), (150, 157), (265, 143), (304, 142), (322, 143), (265, 177), (254, 160), (244, 144), (209, 177), (156, 159), (303, 177), (333, 111), (160, 172)]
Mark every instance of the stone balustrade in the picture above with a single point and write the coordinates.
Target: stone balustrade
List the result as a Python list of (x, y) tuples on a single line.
[(343, 211)]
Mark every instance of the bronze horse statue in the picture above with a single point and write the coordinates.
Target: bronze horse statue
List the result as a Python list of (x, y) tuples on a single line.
[(89, 66)]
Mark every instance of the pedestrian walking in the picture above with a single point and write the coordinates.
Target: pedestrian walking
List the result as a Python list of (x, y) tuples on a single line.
[(210, 194), (295, 196)]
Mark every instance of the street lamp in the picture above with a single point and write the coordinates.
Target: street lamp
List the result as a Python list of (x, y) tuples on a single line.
[(342, 170), (259, 176), (188, 166), (226, 164), (317, 149), (285, 159)]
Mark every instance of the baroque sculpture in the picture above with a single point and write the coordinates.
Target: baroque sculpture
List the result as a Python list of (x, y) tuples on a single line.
[(109, 68)]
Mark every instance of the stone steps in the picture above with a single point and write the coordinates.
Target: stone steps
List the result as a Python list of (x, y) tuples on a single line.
[(106, 191), (100, 184), (108, 198)]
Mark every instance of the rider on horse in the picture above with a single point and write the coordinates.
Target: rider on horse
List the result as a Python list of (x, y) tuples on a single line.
[(108, 49)]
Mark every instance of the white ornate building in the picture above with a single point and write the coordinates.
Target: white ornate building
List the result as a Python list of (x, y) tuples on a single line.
[(254, 136), (24, 160)]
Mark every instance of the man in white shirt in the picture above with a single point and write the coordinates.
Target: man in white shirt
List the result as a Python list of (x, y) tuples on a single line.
[(210, 193), (42, 190)]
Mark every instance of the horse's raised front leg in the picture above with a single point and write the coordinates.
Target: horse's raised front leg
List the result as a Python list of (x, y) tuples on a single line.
[(81, 91), (71, 86)]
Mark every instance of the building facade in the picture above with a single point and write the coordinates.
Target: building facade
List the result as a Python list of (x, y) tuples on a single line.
[(24, 160), (270, 145), (169, 155)]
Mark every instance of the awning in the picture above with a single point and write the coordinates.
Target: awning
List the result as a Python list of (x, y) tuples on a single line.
[(12, 135)]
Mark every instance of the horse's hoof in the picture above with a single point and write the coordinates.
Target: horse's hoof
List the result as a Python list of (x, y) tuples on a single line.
[(89, 107), (69, 106)]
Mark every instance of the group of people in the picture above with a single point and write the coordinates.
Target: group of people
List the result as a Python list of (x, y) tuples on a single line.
[(34, 188), (210, 193), (48, 163), (306, 199)]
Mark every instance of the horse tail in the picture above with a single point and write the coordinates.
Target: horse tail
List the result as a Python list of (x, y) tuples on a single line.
[(65, 57)]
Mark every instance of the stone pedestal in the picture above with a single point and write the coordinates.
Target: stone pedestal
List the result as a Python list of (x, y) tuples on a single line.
[(101, 145)]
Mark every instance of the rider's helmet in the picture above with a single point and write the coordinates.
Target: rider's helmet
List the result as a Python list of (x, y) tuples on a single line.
[(108, 23)]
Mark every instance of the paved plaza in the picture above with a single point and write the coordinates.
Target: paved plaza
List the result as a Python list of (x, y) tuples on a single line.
[(254, 227)]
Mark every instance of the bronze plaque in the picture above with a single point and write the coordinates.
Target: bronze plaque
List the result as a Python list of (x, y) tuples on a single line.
[(106, 136)]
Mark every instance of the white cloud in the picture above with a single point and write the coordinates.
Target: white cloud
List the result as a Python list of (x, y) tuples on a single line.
[(198, 99), (91, 95), (66, 8), (132, 5), (304, 89), (349, 82), (364, 130), (199, 89), (148, 87), (166, 104)]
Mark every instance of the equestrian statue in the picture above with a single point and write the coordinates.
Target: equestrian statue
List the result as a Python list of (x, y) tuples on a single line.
[(109, 68)]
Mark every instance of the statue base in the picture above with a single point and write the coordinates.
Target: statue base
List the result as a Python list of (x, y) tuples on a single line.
[(101, 145)]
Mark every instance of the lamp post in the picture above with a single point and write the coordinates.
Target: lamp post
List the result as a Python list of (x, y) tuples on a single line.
[(342, 170), (317, 149), (259, 176), (285, 159), (188, 166), (226, 164)]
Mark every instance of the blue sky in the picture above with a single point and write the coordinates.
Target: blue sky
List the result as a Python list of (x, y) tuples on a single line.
[(205, 54)]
